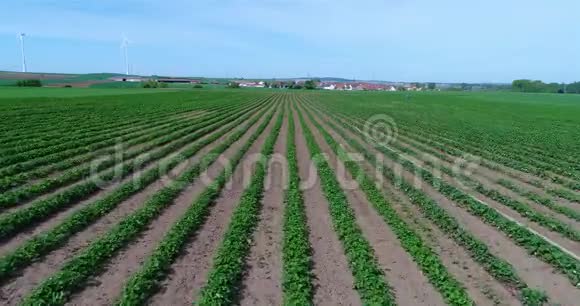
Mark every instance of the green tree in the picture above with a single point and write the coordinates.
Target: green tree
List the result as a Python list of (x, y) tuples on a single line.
[(310, 84)]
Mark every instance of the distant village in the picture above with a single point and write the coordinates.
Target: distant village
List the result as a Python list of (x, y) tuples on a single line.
[(343, 85), (340, 86)]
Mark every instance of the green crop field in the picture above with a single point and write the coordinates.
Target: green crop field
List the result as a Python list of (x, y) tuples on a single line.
[(131, 196)]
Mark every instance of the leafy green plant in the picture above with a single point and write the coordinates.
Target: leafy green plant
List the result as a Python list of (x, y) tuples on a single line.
[(228, 263)]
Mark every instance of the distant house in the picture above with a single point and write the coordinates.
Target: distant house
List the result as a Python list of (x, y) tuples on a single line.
[(329, 87), (129, 79), (260, 84)]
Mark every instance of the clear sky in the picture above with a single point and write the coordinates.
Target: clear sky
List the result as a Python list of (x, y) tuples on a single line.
[(397, 40)]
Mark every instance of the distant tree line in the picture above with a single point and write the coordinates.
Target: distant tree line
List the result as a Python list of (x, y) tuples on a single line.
[(29, 83), (154, 84), (539, 86)]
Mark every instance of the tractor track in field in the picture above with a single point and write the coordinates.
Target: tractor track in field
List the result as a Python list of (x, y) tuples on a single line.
[(104, 289), (567, 243), (482, 287), (408, 282), (533, 271), (491, 177), (333, 281), (262, 282), (189, 271), (494, 175), (522, 179), (31, 276)]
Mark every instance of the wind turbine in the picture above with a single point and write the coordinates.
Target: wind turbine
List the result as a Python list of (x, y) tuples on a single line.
[(125, 48), (21, 36)]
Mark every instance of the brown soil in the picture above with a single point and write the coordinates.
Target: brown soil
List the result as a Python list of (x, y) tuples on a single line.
[(534, 272), (480, 285), (12, 292), (262, 284), (105, 289), (571, 245), (190, 271), (9, 244), (55, 174), (333, 281), (408, 282), (524, 178), (493, 175)]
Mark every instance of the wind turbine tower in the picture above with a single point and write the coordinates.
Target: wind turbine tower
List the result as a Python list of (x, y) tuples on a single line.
[(125, 47), (21, 36)]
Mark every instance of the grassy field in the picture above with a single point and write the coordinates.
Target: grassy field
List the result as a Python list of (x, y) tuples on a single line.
[(32, 92), (264, 197)]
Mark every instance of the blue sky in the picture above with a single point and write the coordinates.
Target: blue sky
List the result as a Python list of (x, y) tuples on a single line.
[(398, 40)]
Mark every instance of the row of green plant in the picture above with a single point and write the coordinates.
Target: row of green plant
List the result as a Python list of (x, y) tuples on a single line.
[(51, 131), (552, 224), (369, 279), (73, 276), (19, 220), (72, 148), (145, 283), (229, 261), (417, 142), (297, 277), (42, 119), (515, 160), (98, 130), (534, 244), (17, 195), (13, 180), (452, 290), (566, 211), (559, 192), (495, 266), (435, 129), (174, 134), (541, 162), (54, 128), (39, 245)]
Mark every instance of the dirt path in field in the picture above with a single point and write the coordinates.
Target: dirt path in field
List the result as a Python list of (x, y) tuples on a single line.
[(263, 281), (534, 272), (492, 174), (492, 177), (58, 217), (190, 271), (480, 285), (85, 179), (565, 242), (524, 175), (523, 179), (107, 288), (12, 292), (411, 287), (333, 281)]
